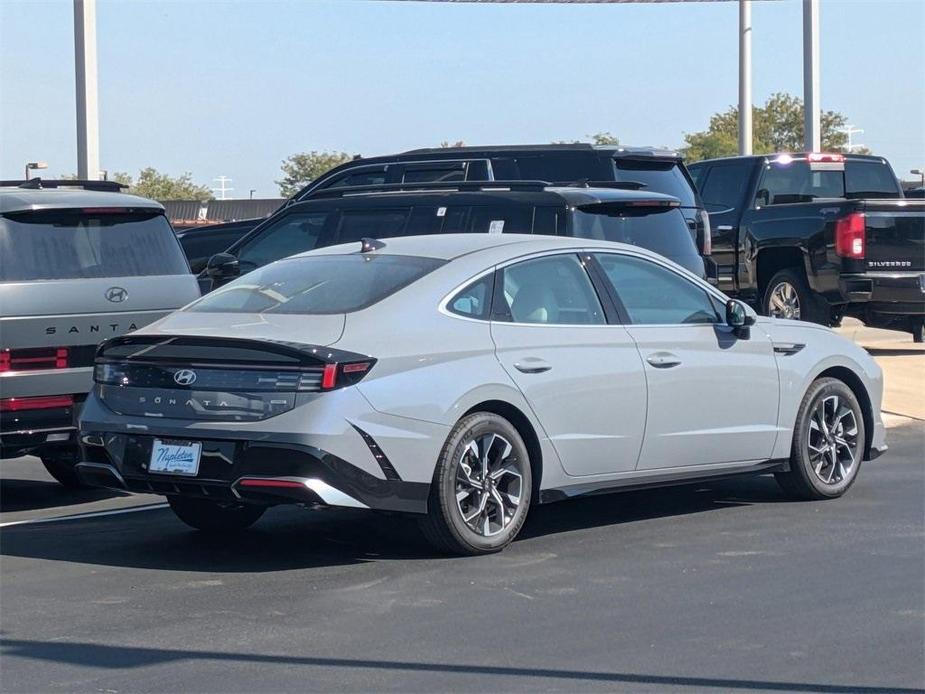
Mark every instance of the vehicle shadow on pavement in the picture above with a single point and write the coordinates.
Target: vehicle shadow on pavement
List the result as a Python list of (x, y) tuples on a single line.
[(289, 538), (123, 657), (893, 351), (30, 495)]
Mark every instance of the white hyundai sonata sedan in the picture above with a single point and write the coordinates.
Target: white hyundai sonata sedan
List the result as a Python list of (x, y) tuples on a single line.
[(465, 378)]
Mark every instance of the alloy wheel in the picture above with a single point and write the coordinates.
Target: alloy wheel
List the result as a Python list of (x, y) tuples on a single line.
[(489, 484), (784, 302), (832, 440)]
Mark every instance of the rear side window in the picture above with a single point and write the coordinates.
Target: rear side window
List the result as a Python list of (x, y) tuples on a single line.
[(77, 244), (436, 172), (475, 300), (379, 224), (316, 285), (362, 177), (657, 229), (554, 290), (560, 168), (724, 187), (658, 176), (501, 219)]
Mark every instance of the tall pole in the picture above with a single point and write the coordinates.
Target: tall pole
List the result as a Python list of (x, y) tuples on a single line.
[(745, 76), (812, 124), (88, 127)]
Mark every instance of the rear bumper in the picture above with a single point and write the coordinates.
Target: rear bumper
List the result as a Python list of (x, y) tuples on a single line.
[(27, 431), (256, 472), (891, 294)]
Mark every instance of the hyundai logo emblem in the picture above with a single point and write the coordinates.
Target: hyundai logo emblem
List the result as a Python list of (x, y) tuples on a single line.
[(185, 377), (116, 295)]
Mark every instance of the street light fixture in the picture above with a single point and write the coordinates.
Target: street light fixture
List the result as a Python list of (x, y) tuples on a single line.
[(919, 172), (35, 165)]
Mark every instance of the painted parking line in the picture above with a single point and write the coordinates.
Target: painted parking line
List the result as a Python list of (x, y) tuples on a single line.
[(81, 516)]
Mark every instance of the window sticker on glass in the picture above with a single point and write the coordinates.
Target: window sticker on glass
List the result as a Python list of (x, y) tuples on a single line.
[(496, 226), (441, 212)]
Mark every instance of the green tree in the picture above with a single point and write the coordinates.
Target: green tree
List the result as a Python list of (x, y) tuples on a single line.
[(153, 184), (447, 144), (602, 138), (776, 127), (301, 169)]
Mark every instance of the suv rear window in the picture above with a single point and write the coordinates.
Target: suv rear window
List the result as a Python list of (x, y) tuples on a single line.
[(659, 176), (78, 244), (316, 285)]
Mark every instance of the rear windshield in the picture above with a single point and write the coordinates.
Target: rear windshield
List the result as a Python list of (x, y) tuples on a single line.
[(317, 285), (659, 176), (75, 244), (786, 181), (657, 229)]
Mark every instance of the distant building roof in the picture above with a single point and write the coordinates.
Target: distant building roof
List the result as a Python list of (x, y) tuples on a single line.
[(186, 213)]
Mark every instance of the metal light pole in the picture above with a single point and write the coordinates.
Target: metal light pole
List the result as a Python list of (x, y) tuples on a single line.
[(88, 128), (812, 119), (745, 76)]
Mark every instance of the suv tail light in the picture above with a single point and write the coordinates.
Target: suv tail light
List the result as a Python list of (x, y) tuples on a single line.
[(851, 236), (33, 359), (43, 402)]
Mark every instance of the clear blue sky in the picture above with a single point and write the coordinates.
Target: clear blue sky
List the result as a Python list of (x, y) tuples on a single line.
[(231, 88)]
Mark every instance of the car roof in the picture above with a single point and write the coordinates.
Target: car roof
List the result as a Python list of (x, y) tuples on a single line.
[(796, 155), (15, 199), (550, 195), (452, 246), (615, 150)]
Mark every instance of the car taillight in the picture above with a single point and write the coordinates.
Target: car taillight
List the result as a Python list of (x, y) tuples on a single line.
[(346, 374), (33, 359), (851, 236), (43, 402)]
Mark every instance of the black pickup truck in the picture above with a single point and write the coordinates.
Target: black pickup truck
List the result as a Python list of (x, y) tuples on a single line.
[(817, 237)]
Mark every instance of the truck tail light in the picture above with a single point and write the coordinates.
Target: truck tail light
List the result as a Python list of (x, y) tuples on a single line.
[(43, 402), (851, 236)]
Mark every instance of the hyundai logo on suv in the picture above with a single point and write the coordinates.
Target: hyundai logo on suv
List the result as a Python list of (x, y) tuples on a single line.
[(185, 377), (116, 295)]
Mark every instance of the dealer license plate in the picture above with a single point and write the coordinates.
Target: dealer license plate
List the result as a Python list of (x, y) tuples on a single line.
[(175, 457)]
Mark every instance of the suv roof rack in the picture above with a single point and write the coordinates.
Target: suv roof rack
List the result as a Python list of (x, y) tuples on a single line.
[(617, 185), (435, 186), (42, 183)]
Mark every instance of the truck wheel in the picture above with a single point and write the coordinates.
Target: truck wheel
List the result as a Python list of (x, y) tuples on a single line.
[(917, 328), (61, 466), (213, 517), (788, 296)]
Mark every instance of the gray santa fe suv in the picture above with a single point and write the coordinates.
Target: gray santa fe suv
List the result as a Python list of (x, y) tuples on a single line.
[(78, 263), (463, 378)]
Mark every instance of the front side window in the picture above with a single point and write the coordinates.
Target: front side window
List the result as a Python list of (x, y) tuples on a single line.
[(654, 295), (323, 284), (553, 290), (78, 244), (293, 233)]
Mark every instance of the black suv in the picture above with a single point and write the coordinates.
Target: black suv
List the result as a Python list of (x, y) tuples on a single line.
[(651, 169), (343, 215)]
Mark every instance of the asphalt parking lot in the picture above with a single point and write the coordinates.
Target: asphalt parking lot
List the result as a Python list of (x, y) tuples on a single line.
[(725, 587)]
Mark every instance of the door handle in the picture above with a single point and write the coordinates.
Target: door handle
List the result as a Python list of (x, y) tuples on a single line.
[(663, 360), (724, 227), (532, 365)]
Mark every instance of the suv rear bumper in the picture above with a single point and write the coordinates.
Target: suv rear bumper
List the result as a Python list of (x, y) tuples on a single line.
[(24, 432), (892, 294)]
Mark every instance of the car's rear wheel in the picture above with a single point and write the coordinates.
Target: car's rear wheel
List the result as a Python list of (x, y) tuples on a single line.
[(828, 443), (481, 489), (213, 517), (788, 295), (62, 466)]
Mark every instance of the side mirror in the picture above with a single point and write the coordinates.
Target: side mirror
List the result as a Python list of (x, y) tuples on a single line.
[(223, 266), (739, 317), (763, 198)]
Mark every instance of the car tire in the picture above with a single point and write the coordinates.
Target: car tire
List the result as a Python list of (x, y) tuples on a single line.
[(828, 443), (212, 517), (917, 328), (466, 514), (62, 466), (788, 295)]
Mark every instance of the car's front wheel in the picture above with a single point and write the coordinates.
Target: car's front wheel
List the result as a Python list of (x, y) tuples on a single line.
[(828, 443), (481, 489), (213, 517)]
